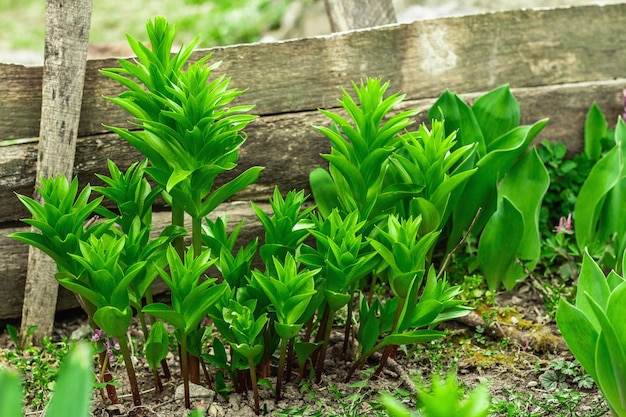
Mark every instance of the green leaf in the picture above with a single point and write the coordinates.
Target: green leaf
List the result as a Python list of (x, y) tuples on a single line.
[(247, 351), (497, 112), (229, 189), (74, 385), (157, 345), (393, 406), (324, 191), (414, 336), (178, 176), (525, 185), (305, 349), (591, 283), (580, 335), (604, 175), (163, 311), (481, 189), (287, 331), (610, 360), (595, 131), (113, 321), (369, 328), (499, 244), (458, 116), (11, 402)]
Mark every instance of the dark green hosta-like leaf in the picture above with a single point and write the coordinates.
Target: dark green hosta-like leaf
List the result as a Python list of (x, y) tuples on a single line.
[(499, 244), (481, 188), (579, 333), (497, 112), (604, 176), (595, 131), (525, 185), (459, 117), (594, 330)]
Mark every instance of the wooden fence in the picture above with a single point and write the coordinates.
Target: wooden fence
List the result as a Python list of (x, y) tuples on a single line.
[(557, 62)]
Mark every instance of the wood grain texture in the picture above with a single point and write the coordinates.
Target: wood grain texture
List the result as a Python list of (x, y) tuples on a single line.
[(345, 15), (525, 48), (65, 57), (556, 61), (13, 255), (289, 147)]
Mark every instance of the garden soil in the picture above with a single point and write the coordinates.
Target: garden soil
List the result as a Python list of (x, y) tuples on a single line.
[(511, 351), (509, 345)]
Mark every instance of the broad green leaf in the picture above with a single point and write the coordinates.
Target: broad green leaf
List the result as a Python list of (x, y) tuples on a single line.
[(164, 312), (369, 328), (74, 384), (580, 335), (247, 351), (500, 242), (525, 185), (178, 176), (610, 360), (157, 345), (11, 402), (592, 282), (459, 117), (481, 188), (424, 314), (113, 321), (595, 131), (604, 175), (324, 191), (431, 216), (336, 300), (229, 189), (411, 337), (497, 112), (287, 331), (304, 350)]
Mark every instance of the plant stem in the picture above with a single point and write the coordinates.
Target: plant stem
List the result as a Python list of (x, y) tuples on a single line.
[(130, 369), (319, 368), (281, 367), (196, 236), (348, 328), (389, 349), (255, 388), (178, 219), (290, 359), (184, 369), (106, 377)]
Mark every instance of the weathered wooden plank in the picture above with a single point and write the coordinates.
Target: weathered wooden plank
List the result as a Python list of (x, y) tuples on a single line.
[(13, 255), (347, 15), (524, 48), (289, 147), (67, 36)]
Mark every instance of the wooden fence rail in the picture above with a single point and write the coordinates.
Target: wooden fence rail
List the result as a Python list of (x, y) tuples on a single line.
[(557, 62)]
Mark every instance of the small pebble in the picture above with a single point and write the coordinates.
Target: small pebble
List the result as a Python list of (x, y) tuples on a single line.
[(215, 410), (195, 391), (532, 384), (115, 410)]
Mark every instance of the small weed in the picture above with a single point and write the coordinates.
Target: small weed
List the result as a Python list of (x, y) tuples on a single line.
[(39, 365)]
